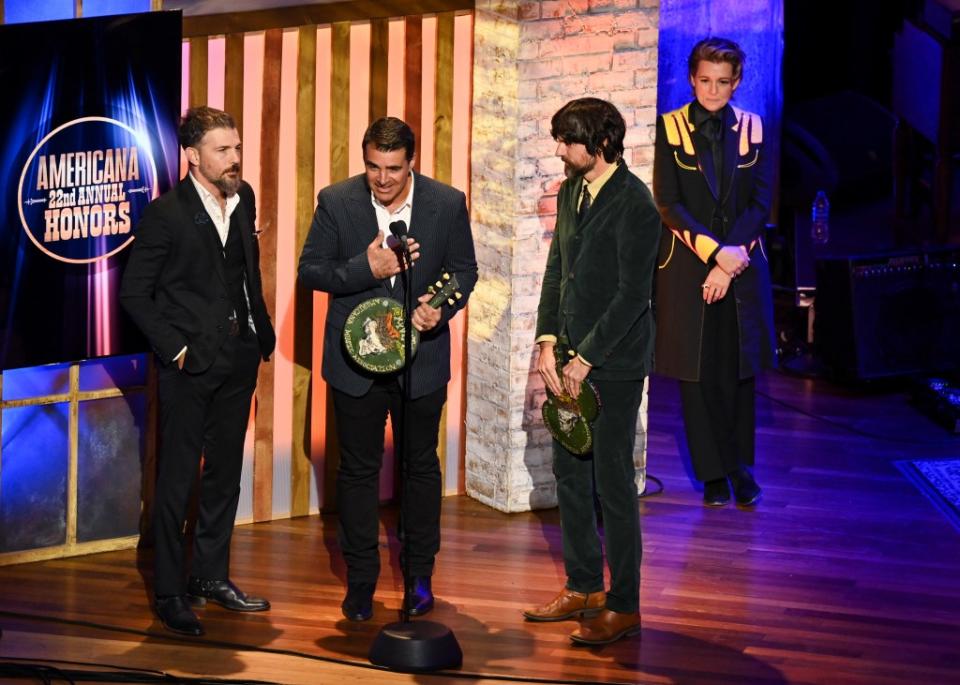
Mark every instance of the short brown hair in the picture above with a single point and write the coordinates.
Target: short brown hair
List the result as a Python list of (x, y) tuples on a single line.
[(388, 134), (717, 50), (198, 120)]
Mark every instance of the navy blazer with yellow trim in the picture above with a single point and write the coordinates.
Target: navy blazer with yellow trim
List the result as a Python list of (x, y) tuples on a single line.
[(701, 211)]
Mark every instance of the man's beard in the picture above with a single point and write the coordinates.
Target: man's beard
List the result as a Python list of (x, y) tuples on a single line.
[(228, 186), (571, 169)]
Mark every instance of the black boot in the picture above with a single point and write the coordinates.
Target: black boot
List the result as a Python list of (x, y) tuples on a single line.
[(745, 488), (417, 595)]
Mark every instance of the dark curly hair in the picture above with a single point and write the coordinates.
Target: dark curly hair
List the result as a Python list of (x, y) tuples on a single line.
[(197, 121), (717, 50), (592, 122)]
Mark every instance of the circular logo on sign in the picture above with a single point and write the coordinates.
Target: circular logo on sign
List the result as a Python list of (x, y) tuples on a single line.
[(84, 187), (373, 335)]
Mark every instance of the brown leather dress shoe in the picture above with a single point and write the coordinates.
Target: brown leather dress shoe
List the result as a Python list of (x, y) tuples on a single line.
[(568, 604), (609, 626)]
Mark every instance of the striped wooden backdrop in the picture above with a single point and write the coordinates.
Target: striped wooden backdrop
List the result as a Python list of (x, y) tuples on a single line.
[(303, 84)]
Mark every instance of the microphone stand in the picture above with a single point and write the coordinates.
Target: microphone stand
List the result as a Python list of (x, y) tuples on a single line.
[(408, 646)]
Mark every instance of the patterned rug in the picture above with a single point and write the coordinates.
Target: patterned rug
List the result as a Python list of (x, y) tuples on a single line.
[(939, 480)]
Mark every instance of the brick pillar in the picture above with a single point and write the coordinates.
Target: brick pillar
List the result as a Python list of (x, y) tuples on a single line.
[(529, 59)]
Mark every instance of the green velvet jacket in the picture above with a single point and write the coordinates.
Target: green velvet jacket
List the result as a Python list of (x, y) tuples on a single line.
[(597, 284)]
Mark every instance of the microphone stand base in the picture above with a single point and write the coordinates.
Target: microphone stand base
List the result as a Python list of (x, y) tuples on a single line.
[(416, 646)]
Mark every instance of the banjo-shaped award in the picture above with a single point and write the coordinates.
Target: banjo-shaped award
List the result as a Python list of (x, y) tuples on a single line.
[(568, 418), (373, 332)]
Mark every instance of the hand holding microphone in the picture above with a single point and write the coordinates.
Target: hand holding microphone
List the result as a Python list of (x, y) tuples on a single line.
[(401, 252)]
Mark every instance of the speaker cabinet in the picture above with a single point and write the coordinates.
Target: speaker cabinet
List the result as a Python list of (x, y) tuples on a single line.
[(888, 314)]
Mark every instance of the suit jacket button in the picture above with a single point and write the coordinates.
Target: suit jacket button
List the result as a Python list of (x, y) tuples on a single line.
[(219, 327)]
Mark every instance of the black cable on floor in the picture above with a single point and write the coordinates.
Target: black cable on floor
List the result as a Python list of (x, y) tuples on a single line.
[(49, 675)]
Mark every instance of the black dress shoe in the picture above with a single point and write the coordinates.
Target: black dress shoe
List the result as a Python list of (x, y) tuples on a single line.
[(224, 593), (358, 604), (177, 616), (417, 595), (716, 493), (745, 488)]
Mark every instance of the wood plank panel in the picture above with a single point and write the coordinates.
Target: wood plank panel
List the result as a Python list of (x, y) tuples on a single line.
[(233, 79), (340, 92), (303, 297), (443, 107), (321, 13), (442, 153), (462, 136), (379, 39), (267, 211), (339, 170), (413, 64), (198, 71)]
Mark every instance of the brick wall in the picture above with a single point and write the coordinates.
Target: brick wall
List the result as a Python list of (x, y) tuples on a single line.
[(529, 59)]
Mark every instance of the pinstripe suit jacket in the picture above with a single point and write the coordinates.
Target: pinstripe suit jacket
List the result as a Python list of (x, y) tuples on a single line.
[(334, 260)]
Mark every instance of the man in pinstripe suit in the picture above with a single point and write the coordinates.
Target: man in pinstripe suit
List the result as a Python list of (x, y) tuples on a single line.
[(347, 254)]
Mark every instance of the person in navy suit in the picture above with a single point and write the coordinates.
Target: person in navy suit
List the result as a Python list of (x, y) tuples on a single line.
[(192, 285), (711, 182), (347, 254)]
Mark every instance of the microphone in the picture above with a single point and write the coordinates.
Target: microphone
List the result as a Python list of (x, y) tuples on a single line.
[(399, 231)]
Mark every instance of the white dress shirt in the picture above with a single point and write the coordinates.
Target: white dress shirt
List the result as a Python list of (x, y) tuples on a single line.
[(385, 217), (221, 221)]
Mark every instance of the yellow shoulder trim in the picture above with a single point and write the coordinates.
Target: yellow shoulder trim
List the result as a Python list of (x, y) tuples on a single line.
[(678, 127), (750, 127), (680, 164)]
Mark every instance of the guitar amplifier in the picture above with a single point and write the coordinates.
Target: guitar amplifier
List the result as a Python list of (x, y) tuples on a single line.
[(888, 314)]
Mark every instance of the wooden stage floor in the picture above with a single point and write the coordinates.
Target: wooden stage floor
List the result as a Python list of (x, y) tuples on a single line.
[(844, 574)]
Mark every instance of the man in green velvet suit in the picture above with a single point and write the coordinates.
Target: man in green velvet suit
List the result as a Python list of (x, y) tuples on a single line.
[(595, 307)]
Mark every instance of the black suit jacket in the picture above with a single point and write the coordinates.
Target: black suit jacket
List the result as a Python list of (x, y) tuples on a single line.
[(596, 293), (174, 286), (689, 193), (334, 260)]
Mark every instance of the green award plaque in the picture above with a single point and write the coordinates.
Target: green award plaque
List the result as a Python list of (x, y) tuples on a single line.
[(373, 332), (569, 418)]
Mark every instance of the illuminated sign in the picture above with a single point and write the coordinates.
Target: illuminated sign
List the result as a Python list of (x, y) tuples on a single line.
[(84, 187)]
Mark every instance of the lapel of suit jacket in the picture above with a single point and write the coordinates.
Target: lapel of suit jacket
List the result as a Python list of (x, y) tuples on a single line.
[(240, 221), (731, 144), (597, 206), (423, 215), (363, 219), (201, 221), (423, 224)]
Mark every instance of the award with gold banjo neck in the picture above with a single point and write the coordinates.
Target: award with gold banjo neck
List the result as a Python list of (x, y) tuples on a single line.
[(373, 332), (568, 418)]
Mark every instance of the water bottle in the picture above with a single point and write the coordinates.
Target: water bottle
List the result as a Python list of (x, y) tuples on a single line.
[(820, 219)]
